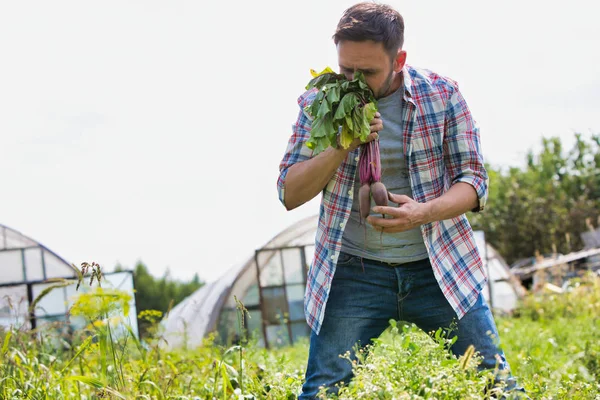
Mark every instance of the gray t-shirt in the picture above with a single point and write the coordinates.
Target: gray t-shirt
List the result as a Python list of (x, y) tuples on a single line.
[(363, 240)]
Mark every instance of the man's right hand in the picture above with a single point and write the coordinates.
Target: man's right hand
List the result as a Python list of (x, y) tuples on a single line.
[(306, 179), (376, 126)]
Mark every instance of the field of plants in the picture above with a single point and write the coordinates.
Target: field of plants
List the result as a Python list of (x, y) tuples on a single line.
[(552, 342)]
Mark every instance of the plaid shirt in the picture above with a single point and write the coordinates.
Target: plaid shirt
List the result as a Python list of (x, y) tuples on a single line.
[(441, 146)]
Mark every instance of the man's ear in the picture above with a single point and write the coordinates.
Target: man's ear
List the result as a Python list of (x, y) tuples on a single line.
[(400, 61)]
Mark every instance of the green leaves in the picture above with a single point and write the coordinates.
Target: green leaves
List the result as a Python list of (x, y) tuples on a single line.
[(6, 342), (349, 101), (404, 362), (333, 94), (96, 383), (81, 349), (105, 391), (543, 205), (368, 112), (342, 110)]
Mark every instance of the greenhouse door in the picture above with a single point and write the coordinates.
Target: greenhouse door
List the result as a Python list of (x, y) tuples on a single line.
[(281, 275)]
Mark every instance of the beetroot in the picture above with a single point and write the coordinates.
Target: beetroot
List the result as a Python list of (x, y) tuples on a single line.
[(369, 169), (364, 200), (379, 193)]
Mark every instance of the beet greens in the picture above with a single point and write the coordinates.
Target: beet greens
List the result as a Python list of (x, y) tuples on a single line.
[(342, 111)]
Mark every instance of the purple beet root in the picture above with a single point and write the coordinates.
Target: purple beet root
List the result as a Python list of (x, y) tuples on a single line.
[(364, 200), (379, 193)]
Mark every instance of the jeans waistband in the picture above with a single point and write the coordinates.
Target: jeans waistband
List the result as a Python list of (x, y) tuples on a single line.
[(391, 264)]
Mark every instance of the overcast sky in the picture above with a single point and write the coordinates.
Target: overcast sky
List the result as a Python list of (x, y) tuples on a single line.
[(147, 130)]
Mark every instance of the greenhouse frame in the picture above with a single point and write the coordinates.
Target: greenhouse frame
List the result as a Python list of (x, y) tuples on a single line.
[(28, 268)]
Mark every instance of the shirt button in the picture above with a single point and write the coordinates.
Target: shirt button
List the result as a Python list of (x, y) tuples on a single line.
[(342, 225), (350, 193), (333, 257), (356, 158)]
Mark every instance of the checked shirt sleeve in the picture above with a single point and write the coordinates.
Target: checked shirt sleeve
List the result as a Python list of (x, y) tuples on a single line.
[(462, 148), (296, 149)]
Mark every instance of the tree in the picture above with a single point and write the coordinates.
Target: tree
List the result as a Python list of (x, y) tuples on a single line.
[(545, 206), (158, 293)]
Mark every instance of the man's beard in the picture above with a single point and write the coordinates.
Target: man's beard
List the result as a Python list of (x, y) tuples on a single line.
[(386, 86)]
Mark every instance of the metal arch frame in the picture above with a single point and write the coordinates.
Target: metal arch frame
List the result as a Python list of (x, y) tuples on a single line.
[(22, 250), (29, 284), (218, 307)]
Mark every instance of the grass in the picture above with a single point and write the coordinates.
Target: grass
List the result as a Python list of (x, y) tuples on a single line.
[(552, 344)]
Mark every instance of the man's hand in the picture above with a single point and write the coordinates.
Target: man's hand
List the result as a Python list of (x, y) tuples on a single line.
[(376, 126), (408, 215)]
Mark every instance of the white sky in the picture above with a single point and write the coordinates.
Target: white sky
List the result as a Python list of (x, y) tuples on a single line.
[(153, 130)]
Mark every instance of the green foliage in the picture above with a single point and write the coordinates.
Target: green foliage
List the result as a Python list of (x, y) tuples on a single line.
[(552, 346), (100, 303), (159, 294), (416, 366), (553, 342), (339, 103), (545, 206)]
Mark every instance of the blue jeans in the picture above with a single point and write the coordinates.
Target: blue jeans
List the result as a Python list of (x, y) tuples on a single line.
[(359, 308)]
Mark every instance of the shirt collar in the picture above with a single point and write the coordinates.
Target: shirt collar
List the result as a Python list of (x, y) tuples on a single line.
[(408, 85)]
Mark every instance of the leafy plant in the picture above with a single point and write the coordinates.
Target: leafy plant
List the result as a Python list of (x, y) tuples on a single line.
[(342, 110), (552, 346), (547, 204)]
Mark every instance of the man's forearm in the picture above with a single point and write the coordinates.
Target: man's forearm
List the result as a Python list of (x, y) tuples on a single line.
[(459, 199), (306, 179)]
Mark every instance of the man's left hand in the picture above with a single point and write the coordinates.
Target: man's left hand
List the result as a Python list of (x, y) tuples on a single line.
[(408, 215)]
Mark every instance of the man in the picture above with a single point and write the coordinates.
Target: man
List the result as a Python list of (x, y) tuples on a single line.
[(414, 261)]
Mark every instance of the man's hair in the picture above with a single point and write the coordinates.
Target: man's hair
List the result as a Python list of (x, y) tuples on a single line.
[(371, 21)]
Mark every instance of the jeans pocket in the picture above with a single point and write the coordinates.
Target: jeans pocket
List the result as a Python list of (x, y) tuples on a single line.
[(345, 258)]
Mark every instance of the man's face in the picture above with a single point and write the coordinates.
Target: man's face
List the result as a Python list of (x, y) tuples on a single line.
[(381, 72)]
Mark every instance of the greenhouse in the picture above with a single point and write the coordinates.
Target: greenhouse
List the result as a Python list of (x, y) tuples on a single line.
[(270, 285), (28, 267)]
